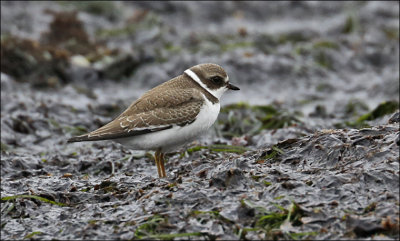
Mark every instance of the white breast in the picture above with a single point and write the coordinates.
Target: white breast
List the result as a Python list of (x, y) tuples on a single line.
[(172, 138)]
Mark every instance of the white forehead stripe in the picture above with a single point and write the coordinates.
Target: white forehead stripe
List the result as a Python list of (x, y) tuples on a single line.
[(196, 78)]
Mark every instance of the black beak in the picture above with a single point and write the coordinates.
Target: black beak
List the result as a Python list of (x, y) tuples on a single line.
[(232, 87)]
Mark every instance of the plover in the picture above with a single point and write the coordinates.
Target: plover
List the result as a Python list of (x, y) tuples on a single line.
[(170, 114)]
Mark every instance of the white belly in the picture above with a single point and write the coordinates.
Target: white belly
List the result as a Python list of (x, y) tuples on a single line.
[(174, 137)]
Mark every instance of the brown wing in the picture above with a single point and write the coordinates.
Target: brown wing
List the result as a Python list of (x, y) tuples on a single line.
[(154, 111)]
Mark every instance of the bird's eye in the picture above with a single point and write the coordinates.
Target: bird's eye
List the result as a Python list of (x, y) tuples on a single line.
[(217, 80)]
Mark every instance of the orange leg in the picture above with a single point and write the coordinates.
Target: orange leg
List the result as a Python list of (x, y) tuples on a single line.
[(157, 158), (162, 161)]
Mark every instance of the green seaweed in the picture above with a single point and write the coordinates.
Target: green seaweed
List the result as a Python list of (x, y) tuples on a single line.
[(324, 87), (354, 106), (213, 214), (227, 148), (349, 25), (271, 220), (238, 105), (318, 52), (4, 147), (370, 208), (301, 235), (391, 33), (256, 178), (93, 221), (75, 130), (384, 108), (322, 59), (293, 37), (149, 227), (171, 236), (218, 148), (171, 185), (172, 48), (108, 186), (278, 198), (243, 119), (29, 236), (6, 209), (249, 204), (352, 124), (273, 153), (326, 44), (302, 50), (54, 123), (197, 212), (274, 220), (195, 149), (268, 221), (266, 43), (267, 183), (33, 197), (241, 233), (85, 91)]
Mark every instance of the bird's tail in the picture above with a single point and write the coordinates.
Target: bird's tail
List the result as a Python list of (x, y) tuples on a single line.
[(91, 137), (84, 137)]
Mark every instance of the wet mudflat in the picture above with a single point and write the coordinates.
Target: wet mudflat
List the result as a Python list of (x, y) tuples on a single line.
[(308, 149)]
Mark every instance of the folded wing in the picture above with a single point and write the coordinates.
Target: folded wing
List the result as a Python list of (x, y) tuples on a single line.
[(149, 114)]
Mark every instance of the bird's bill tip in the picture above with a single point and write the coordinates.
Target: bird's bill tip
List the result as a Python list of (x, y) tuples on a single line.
[(233, 87)]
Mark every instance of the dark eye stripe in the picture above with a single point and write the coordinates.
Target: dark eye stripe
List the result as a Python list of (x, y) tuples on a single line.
[(216, 79)]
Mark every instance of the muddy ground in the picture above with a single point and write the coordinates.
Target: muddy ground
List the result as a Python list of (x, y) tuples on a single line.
[(308, 149)]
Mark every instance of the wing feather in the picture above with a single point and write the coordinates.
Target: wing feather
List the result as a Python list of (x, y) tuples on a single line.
[(150, 114)]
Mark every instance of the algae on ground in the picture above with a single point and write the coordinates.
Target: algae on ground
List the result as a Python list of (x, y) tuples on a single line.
[(384, 108), (241, 118), (218, 148), (155, 228), (8, 198), (274, 223)]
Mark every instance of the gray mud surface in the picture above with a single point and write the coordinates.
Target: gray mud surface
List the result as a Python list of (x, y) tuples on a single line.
[(308, 149)]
